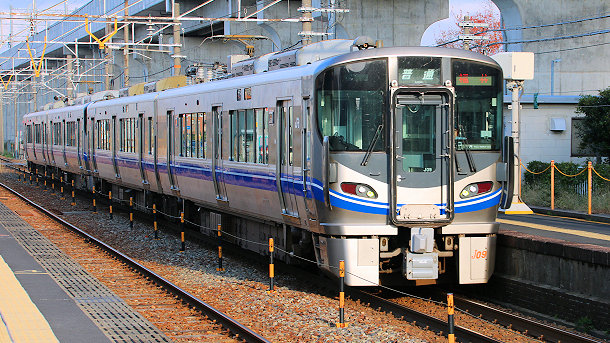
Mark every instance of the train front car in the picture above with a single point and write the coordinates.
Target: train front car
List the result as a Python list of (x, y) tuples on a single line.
[(406, 165)]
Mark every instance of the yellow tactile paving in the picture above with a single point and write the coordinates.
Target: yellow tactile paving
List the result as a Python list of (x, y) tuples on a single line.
[(599, 236), (21, 321)]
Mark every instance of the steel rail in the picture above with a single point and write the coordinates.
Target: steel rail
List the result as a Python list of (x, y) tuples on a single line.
[(423, 320), (527, 326), (241, 331)]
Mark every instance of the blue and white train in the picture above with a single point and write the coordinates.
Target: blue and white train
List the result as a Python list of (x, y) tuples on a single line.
[(390, 159)]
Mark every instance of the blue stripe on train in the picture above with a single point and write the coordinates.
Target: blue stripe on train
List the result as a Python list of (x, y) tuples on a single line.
[(293, 184)]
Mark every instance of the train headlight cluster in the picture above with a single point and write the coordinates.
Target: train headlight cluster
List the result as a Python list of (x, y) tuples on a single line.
[(359, 189), (475, 189)]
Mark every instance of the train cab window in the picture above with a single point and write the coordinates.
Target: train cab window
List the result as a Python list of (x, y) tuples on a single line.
[(351, 103), (478, 103)]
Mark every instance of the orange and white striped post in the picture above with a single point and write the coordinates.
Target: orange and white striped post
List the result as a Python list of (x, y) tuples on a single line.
[(155, 221), (271, 267), (73, 203), (589, 185), (182, 244), (219, 230), (341, 323), (450, 320), (110, 203), (94, 205), (131, 212), (552, 184)]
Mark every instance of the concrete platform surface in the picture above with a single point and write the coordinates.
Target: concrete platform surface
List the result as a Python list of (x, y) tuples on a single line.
[(569, 229), (57, 300)]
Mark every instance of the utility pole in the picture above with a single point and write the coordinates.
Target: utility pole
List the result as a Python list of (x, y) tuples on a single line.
[(517, 67), (126, 49), (177, 48), (466, 35), (107, 65), (306, 4), (69, 80), (1, 121)]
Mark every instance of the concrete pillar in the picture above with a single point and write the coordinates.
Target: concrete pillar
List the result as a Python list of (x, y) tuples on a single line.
[(1, 122), (107, 66), (306, 24), (126, 49), (177, 49), (69, 80)]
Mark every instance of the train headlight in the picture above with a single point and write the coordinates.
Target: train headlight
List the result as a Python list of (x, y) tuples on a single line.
[(359, 189), (475, 189)]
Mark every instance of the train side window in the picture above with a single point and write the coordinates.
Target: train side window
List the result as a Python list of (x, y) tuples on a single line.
[(181, 134), (290, 140), (201, 139), (188, 136), (241, 143), (260, 135), (250, 135), (150, 135), (192, 136), (121, 134), (234, 135)]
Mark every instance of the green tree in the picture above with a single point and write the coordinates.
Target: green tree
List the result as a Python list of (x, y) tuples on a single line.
[(594, 129)]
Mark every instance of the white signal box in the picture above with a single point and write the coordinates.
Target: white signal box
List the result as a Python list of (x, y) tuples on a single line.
[(516, 65)]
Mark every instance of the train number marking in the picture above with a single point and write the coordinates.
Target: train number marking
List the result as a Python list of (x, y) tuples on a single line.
[(479, 255)]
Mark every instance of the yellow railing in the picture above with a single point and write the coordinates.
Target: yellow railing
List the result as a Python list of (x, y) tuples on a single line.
[(589, 169)]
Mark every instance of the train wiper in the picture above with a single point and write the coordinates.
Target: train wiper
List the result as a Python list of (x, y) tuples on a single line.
[(369, 150)]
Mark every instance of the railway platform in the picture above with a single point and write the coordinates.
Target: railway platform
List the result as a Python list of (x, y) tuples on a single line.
[(569, 226), (556, 263), (47, 297)]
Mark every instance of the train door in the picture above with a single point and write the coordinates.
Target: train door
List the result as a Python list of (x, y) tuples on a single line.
[(114, 143), (52, 142), (217, 173), (285, 159), (63, 141), (306, 158), (79, 144), (171, 144), (141, 139), (423, 189), (91, 144), (45, 140)]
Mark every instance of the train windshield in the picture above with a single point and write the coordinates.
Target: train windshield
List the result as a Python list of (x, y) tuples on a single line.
[(478, 102), (351, 103)]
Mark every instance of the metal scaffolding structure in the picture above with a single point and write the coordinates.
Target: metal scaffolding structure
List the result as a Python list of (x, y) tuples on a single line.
[(46, 54)]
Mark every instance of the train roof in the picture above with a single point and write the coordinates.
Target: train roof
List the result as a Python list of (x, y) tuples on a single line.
[(309, 64)]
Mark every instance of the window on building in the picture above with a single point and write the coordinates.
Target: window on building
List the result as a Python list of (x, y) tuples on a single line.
[(576, 140)]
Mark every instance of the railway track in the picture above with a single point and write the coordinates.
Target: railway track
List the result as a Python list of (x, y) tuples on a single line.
[(421, 319), (527, 326), (237, 330), (510, 321)]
